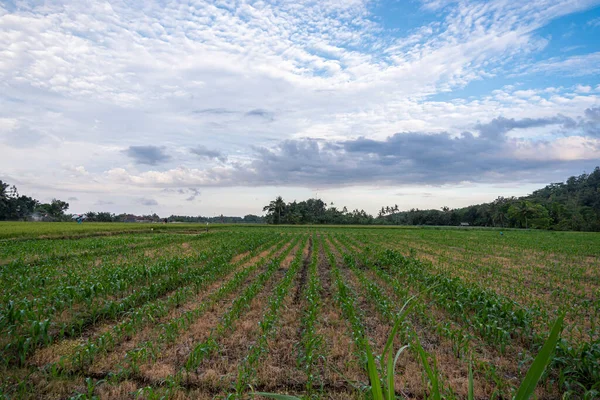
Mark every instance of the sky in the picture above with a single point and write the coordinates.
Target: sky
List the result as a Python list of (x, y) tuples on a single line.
[(209, 108)]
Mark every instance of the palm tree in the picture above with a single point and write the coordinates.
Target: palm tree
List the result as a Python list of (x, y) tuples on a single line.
[(522, 211), (276, 208)]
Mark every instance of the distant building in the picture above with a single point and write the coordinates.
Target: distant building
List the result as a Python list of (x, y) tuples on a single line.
[(464, 224)]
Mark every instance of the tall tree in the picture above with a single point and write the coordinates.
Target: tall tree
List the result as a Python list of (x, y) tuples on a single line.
[(276, 209)]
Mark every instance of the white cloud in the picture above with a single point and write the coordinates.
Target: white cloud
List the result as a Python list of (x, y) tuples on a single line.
[(583, 88), (594, 22), (8, 124), (562, 149), (77, 170), (580, 65)]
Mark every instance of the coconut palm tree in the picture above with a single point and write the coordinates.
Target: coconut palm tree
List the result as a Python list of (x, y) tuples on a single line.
[(275, 209)]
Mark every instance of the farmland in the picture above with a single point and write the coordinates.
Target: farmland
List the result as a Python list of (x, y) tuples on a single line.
[(132, 311)]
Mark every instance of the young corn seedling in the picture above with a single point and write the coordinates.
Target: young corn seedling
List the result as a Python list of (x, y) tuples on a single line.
[(241, 303), (268, 324), (386, 390), (381, 388)]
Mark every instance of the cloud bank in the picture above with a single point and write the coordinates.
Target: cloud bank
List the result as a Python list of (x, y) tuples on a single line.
[(487, 154)]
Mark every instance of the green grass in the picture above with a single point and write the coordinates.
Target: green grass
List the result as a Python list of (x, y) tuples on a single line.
[(16, 230)]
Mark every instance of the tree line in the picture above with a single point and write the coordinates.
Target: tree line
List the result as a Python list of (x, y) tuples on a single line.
[(247, 219), (313, 211), (17, 207), (572, 205)]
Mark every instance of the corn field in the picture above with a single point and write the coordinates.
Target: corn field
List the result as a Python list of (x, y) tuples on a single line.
[(112, 312)]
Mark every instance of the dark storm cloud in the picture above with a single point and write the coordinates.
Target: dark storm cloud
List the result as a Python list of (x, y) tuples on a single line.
[(410, 157), (498, 127), (486, 155), (416, 157), (591, 127), (204, 152), (149, 155), (588, 125)]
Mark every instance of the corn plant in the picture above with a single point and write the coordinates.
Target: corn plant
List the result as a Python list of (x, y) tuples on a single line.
[(171, 329), (84, 354), (203, 349), (311, 342), (382, 386), (267, 325)]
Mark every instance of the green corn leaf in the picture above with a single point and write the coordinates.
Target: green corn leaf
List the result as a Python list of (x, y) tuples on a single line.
[(401, 316), (389, 390), (471, 391), (391, 367), (541, 362), (373, 375), (431, 373)]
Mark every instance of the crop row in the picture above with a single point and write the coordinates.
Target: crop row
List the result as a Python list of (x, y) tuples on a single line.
[(311, 342), (495, 318), (174, 272), (151, 312), (73, 286), (421, 315), (207, 347), (169, 331), (420, 311), (34, 251), (268, 324), (548, 281), (346, 300), (391, 316), (43, 275)]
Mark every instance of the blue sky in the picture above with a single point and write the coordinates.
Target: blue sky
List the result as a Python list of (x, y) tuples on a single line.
[(216, 107)]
